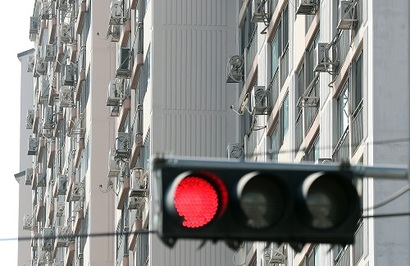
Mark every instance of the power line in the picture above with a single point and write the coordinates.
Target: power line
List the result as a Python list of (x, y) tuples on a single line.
[(389, 199), (29, 238)]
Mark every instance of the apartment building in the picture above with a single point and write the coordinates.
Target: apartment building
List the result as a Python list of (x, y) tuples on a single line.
[(327, 81), (113, 83)]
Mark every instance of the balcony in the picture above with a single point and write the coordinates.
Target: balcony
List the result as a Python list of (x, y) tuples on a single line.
[(124, 187)]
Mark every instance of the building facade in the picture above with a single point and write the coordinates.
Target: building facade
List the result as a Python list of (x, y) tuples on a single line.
[(115, 82), (327, 81)]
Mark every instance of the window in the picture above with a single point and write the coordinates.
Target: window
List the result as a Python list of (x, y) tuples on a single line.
[(280, 129), (356, 94)]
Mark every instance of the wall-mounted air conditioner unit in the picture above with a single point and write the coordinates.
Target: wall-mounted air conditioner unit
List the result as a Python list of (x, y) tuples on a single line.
[(68, 78), (65, 33), (28, 222), (46, 9), (115, 33), (134, 203), (30, 119), (324, 61), (41, 179), (48, 118), (124, 62), (258, 11), (28, 177), (66, 96), (235, 151), (234, 69), (116, 13), (62, 181), (122, 145), (347, 15), (60, 208), (115, 92), (50, 53), (139, 183), (307, 7), (32, 145), (62, 5), (47, 239), (41, 67), (30, 64), (113, 166), (259, 100), (77, 192), (34, 25), (63, 235)]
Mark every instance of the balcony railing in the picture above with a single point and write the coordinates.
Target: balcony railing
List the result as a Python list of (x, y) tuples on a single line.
[(343, 46), (299, 131), (284, 66), (357, 128), (273, 89), (344, 258), (311, 111), (341, 151)]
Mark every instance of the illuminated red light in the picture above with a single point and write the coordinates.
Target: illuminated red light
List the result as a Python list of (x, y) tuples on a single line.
[(196, 201)]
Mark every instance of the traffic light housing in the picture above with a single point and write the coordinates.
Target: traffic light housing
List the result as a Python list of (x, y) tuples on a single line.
[(250, 201)]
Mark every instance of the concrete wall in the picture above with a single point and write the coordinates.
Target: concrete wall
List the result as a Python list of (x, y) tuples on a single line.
[(389, 120)]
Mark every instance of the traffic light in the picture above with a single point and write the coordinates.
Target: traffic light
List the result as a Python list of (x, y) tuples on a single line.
[(250, 201)]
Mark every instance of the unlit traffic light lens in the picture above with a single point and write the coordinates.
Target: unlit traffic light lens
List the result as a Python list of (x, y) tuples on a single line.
[(326, 201), (261, 200)]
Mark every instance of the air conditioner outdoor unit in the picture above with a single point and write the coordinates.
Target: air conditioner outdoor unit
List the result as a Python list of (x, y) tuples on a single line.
[(28, 177), (133, 203), (32, 145), (63, 235), (235, 151), (258, 10), (77, 192), (116, 13), (28, 222), (41, 66), (34, 25), (65, 32), (60, 207), (347, 15), (259, 100), (41, 179), (30, 64), (30, 119), (115, 92), (68, 75), (113, 166), (50, 53), (138, 184), (66, 96), (234, 69), (324, 63), (62, 5), (124, 62), (48, 118), (46, 9), (115, 33), (62, 181), (307, 7), (122, 145), (47, 239)]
